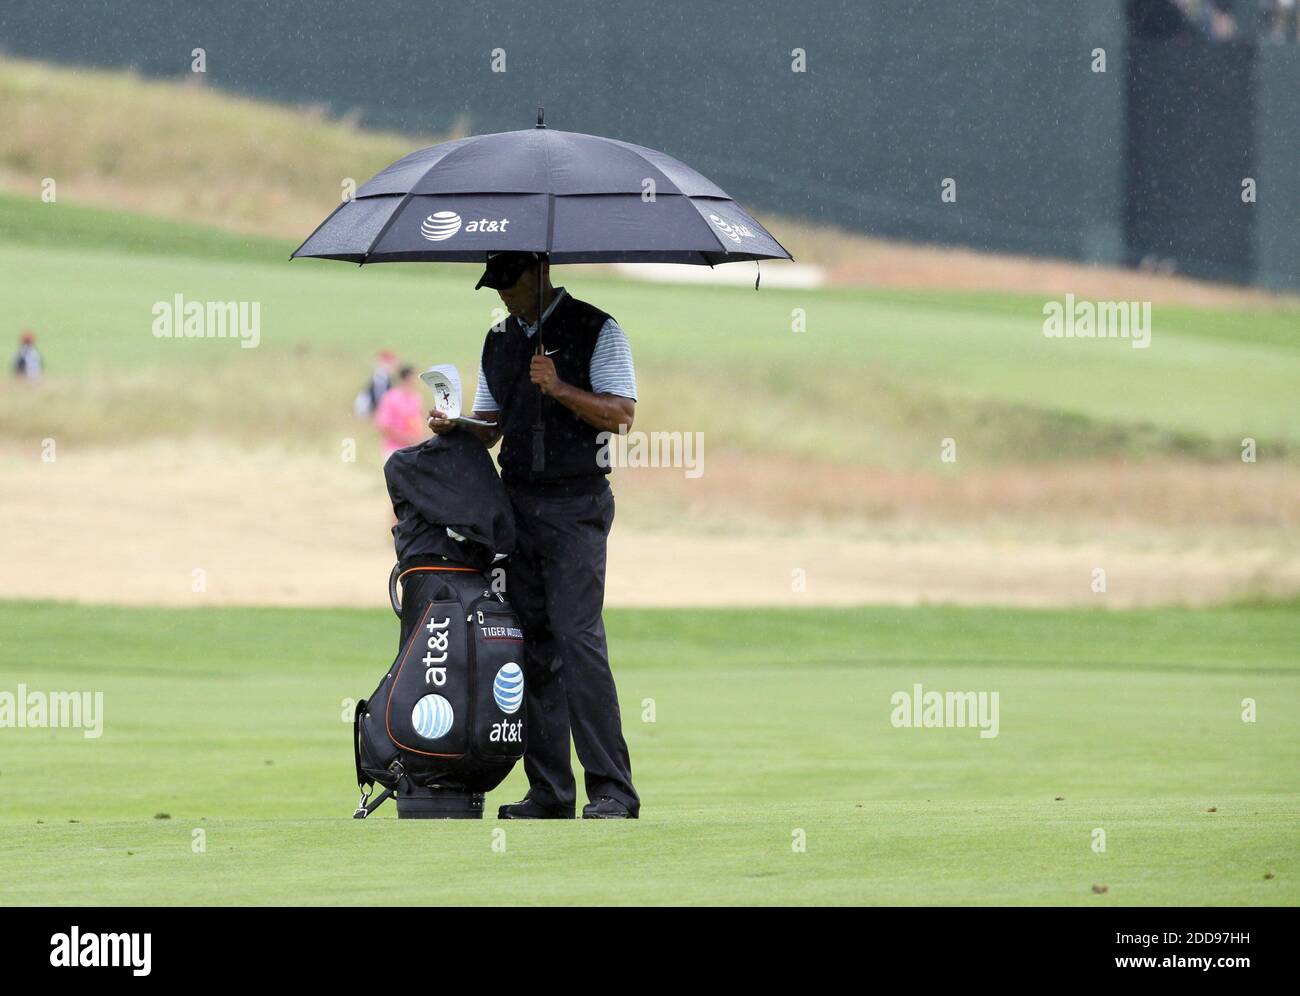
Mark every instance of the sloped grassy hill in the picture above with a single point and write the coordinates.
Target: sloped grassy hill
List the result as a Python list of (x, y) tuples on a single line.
[(878, 378)]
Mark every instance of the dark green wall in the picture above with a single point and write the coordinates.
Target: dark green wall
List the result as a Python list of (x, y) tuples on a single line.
[(1192, 140), (997, 94), (1277, 213)]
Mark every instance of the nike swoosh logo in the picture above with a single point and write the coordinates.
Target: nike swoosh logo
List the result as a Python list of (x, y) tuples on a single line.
[(548, 352)]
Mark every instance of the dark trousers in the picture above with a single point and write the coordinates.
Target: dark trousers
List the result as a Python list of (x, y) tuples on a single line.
[(556, 582)]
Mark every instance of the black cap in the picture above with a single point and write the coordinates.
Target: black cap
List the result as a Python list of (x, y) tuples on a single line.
[(504, 269)]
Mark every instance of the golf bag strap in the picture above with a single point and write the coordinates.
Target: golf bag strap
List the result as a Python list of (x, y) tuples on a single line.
[(363, 780), (394, 596)]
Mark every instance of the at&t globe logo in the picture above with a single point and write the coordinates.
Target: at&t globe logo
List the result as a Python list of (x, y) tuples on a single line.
[(432, 717), (733, 232), (440, 225), (508, 688)]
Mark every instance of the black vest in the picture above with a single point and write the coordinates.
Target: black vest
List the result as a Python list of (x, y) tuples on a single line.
[(569, 337)]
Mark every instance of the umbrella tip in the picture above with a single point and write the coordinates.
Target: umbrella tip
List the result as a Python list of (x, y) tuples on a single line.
[(541, 116)]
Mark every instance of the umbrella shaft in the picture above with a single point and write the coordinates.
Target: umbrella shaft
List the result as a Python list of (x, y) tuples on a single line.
[(539, 430)]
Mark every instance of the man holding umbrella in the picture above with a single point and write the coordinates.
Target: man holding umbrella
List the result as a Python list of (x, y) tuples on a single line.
[(563, 513), (555, 376)]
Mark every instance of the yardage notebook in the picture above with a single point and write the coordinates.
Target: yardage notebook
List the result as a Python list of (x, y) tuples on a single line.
[(444, 381)]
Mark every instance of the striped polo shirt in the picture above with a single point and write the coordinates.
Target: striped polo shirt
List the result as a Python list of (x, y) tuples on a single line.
[(611, 362)]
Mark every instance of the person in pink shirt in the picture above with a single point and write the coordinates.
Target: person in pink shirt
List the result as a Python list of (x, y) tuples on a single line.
[(400, 415)]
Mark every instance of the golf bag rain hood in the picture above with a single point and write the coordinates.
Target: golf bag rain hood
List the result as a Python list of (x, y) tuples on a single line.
[(446, 723), (449, 502)]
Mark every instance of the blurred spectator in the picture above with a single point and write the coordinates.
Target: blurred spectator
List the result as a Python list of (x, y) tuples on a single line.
[(1218, 20), (400, 415), (28, 364), (1279, 23), (1222, 21), (1212, 19), (381, 379)]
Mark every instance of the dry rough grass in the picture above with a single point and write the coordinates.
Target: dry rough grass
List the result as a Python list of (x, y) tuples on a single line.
[(1110, 494), (269, 527)]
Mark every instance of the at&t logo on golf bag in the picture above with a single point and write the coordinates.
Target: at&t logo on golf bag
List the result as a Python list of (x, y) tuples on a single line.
[(432, 717), (508, 691), (438, 642), (508, 688)]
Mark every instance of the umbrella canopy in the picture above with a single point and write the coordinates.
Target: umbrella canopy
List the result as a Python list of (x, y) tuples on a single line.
[(568, 197), (577, 198)]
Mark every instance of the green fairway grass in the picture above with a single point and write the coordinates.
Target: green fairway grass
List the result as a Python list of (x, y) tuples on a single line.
[(769, 727), (894, 372)]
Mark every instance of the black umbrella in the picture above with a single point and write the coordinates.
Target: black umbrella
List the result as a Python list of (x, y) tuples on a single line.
[(568, 197)]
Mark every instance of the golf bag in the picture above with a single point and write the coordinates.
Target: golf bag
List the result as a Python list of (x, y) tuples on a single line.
[(446, 723)]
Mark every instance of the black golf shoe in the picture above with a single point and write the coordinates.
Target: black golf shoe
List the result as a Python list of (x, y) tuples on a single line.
[(527, 809), (607, 808)]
